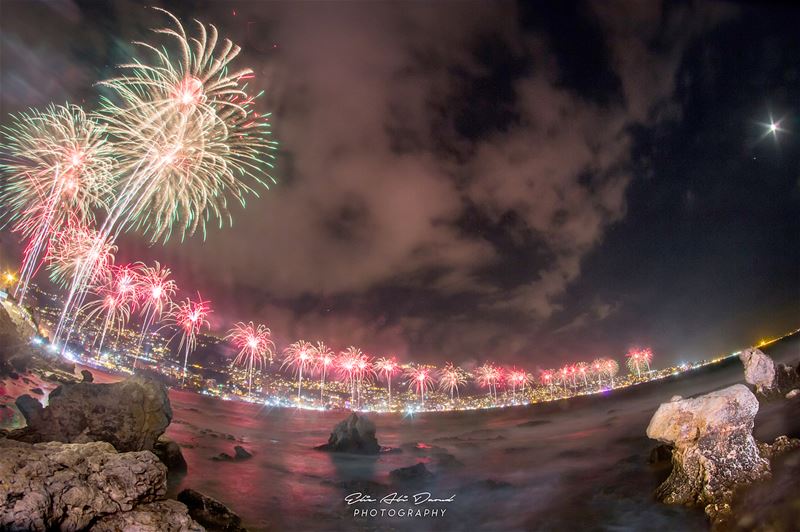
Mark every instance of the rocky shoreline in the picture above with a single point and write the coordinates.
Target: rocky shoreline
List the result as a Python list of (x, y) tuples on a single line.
[(96, 457), (714, 456)]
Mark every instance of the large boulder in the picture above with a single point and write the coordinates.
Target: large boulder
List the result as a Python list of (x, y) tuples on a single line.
[(130, 415), (356, 434), (759, 369), (159, 516), (210, 512), (713, 448), (52, 485)]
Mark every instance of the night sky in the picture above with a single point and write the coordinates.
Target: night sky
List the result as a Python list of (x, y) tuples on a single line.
[(531, 183)]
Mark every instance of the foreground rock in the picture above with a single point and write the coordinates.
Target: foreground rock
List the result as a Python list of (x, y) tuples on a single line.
[(356, 434), (68, 486), (130, 415), (759, 369), (160, 516), (714, 450), (210, 512), (772, 381)]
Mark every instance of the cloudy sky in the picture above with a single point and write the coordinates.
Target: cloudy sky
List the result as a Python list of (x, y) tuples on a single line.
[(536, 183)]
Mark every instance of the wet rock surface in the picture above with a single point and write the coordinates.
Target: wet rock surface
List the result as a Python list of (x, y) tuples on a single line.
[(714, 451), (169, 452), (413, 473), (356, 434), (63, 486), (239, 454), (130, 415), (209, 512)]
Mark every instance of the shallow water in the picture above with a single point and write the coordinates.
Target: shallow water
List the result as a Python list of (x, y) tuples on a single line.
[(571, 465)]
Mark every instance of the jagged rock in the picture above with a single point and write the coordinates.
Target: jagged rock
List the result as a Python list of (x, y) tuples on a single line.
[(412, 473), (759, 369), (64, 486), (130, 414), (356, 434), (786, 379), (87, 375), (210, 512), (714, 450), (793, 393), (169, 452), (240, 453), (160, 516), (781, 445)]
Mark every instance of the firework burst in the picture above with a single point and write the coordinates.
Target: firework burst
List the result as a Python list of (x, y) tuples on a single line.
[(488, 375), (187, 134), (78, 246), (451, 379), (639, 360), (58, 167), (323, 360), (255, 345), (298, 356), (156, 290), (421, 380), (387, 366), (189, 317), (187, 138)]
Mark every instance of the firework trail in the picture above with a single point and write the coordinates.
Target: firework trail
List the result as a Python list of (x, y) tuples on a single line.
[(639, 358), (582, 369), (488, 375), (364, 372), (420, 379), (347, 364), (254, 342), (298, 356), (610, 368), (187, 139), (189, 317), (77, 246), (156, 291), (518, 378), (116, 298), (323, 359), (74, 247), (58, 167), (388, 367), (451, 378)]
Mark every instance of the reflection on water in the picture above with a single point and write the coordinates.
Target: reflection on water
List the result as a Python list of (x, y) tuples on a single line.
[(578, 464)]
